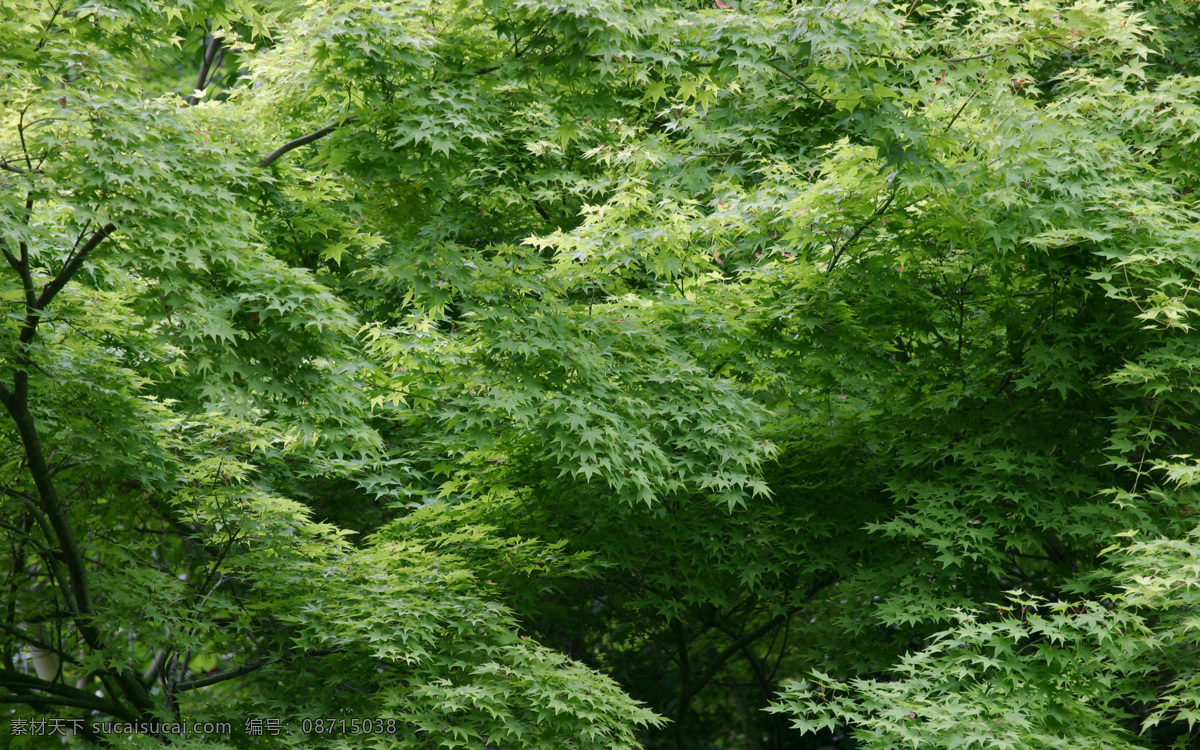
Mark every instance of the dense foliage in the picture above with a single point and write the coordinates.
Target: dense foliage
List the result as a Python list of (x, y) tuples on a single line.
[(597, 374)]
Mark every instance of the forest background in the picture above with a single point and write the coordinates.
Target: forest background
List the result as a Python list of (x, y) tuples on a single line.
[(601, 374)]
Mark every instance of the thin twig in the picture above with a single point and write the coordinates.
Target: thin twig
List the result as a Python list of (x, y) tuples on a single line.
[(959, 112), (862, 228), (806, 87)]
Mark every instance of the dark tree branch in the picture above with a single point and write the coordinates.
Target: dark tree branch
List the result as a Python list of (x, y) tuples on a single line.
[(91, 704), (65, 464), (488, 69), (55, 285), (10, 168), (685, 691), (155, 668), (804, 85), (79, 238), (253, 666), (55, 567), (48, 30), (837, 254), (11, 678), (787, 629), (210, 54), (20, 264), (79, 595), (959, 112), (29, 500), (213, 679), (12, 259), (21, 136), (25, 637), (317, 135), (689, 688), (303, 140), (78, 589), (737, 646), (60, 694), (19, 532)]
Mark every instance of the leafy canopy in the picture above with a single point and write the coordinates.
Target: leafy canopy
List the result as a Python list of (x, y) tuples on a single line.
[(596, 374)]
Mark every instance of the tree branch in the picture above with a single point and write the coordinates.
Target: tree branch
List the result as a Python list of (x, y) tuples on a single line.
[(36, 643), (78, 590), (55, 285), (689, 690), (202, 79), (92, 704), (60, 694), (806, 87), (79, 596), (10, 168), (737, 646), (213, 679), (19, 532), (251, 667), (959, 112), (10, 678), (152, 672), (12, 259), (47, 30), (837, 254), (303, 140)]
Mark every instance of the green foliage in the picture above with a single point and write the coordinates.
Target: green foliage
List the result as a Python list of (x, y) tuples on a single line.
[(594, 374)]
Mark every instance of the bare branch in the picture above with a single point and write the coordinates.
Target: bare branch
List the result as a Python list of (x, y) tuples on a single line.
[(49, 27), (210, 54), (303, 140), (92, 704), (10, 168), (959, 112), (59, 694), (242, 671), (213, 679), (55, 285), (12, 259), (862, 228), (37, 643), (19, 532), (152, 672), (806, 87)]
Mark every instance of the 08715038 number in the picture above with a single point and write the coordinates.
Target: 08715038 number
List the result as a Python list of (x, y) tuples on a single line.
[(348, 726)]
